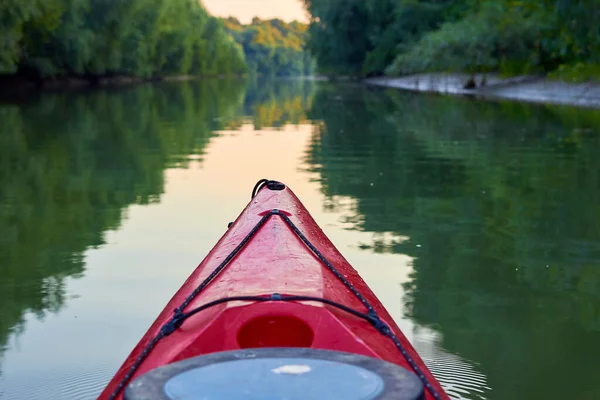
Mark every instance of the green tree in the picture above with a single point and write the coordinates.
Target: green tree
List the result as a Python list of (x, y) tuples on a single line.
[(362, 37), (338, 34), (13, 14), (94, 39), (273, 47), (373, 37)]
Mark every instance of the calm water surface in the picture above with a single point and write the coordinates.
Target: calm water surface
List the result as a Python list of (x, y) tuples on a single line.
[(477, 224)]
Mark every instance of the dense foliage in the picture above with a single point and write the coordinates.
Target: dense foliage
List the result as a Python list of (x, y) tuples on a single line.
[(359, 37), (273, 47), (145, 38)]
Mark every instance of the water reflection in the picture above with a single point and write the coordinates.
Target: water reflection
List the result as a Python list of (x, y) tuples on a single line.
[(487, 212), (500, 205), (272, 104), (72, 164)]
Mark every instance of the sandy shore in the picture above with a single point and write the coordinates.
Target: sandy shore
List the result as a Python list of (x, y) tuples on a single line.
[(523, 88)]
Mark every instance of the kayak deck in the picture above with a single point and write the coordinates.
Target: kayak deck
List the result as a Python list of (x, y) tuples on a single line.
[(274, 280)]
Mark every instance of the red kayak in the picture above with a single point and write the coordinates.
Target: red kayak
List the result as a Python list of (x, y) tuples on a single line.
[(274, 311)]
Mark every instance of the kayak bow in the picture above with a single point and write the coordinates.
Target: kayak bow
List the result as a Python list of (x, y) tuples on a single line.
[(274, 311)]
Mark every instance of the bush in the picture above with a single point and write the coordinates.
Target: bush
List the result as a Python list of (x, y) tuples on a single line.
[(579, 72), (494, 39)]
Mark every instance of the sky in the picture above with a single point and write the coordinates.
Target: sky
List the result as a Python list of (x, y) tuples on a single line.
[(245, 10)]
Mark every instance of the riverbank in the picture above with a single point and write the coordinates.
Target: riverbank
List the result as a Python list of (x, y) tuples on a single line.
[(70, 82), (15, 88), (536, 89)]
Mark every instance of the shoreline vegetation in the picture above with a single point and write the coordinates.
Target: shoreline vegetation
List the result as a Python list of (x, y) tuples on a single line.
[(84, 43), (558, 38), (77, 42), (273, 47), (534, 50)]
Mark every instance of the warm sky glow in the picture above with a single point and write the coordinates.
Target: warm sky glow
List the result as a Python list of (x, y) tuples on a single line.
[(245, 10)]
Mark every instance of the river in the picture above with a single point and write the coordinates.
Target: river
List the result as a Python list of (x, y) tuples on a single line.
[(476, 223)]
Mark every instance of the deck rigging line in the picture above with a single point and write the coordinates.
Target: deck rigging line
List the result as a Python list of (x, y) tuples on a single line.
[(179, 316)]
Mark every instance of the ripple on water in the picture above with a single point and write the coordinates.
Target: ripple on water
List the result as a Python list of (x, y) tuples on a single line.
[(458, 376), (68, 385)]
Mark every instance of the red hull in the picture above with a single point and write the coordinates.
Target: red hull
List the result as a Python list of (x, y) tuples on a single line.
[(275, 260)]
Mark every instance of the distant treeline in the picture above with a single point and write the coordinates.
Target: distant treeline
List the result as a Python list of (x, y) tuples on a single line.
[(358, 37), (273, 47), (97, 38)]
